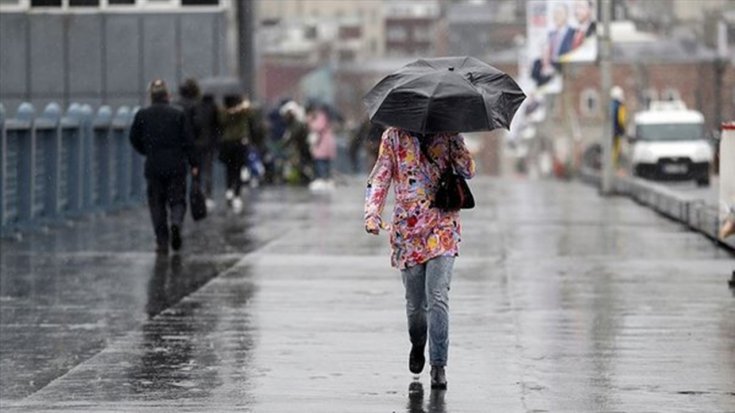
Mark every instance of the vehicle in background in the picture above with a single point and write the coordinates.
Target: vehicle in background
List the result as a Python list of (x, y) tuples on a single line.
[(668, 142)]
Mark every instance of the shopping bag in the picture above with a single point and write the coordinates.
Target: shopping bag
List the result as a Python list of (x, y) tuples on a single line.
[(197, 201)]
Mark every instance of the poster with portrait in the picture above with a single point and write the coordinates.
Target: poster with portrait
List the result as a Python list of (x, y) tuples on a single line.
[(559, 31)]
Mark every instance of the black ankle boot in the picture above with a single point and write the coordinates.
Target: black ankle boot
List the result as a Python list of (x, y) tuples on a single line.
[(438, 377), (416, 359)]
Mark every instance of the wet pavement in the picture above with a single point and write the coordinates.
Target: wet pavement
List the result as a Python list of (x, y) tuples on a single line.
[(561, 301)]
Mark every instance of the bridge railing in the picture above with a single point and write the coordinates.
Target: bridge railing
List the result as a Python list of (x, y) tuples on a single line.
[(56, 165)]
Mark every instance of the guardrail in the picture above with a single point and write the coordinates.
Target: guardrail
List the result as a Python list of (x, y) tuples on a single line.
[(695, 213), (58, 165)]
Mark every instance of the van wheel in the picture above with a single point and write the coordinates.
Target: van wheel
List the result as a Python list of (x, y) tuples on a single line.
[(703, 182)]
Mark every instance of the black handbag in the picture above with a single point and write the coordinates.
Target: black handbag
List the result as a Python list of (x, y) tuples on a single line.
[(452, 193), (197, 201)]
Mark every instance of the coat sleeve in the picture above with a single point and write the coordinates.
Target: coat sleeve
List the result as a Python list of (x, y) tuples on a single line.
[(461, 157), (136, 135), (379, 180)]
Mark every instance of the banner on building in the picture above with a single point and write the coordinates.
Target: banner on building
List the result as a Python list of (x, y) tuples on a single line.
[(559, 31)]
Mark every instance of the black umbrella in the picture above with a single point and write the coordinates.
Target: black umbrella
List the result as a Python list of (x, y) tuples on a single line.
[(222, 86), (448, 94)]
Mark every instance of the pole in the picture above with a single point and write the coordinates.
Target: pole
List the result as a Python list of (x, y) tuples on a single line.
[(245, 46), (606, 83)]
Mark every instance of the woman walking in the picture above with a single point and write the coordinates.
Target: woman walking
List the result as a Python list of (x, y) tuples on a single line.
[(235, 137), (424, 239)]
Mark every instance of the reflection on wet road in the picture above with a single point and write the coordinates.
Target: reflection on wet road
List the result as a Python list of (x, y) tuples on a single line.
[(561, 301)]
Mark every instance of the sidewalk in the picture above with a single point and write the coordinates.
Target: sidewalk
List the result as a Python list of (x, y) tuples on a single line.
[(561, 301)]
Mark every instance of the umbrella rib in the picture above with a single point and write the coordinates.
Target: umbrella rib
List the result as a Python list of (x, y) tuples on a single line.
[(428, 105)]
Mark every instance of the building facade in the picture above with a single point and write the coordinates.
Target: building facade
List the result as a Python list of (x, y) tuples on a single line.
[(412, 27)]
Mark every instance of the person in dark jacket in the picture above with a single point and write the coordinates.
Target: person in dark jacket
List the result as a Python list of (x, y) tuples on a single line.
[(189, 97), (163, 135), (207, 135), (234, 119)]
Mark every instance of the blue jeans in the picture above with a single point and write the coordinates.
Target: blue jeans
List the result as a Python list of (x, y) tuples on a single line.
[(427, 297), (322, 168)]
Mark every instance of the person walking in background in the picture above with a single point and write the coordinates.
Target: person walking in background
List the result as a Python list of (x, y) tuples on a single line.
[(206, 119), (323, 147), (619, 116), (235, 138), (162, 134), (424, 239), (189, 96), (298, 165)]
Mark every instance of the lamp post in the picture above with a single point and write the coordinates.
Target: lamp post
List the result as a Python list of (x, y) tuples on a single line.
[(606, 188)]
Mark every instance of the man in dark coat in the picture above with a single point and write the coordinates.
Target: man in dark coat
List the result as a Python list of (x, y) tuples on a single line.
[(162, 134), (207, 134)]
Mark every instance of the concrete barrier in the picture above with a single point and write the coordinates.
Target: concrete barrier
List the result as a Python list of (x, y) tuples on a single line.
[(694, 213)]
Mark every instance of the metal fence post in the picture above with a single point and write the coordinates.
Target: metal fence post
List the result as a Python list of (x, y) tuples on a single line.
[(87, 141), (46, 163), (21, 147), (72, 172), (3, 165), (123, 155), (102, 159)]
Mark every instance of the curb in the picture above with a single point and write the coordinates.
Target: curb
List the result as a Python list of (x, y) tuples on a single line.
[(694, 213)]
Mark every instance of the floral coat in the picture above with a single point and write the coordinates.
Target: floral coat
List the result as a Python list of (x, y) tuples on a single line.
[(419, 232)]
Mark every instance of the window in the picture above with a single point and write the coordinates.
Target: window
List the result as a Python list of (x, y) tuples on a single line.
[(397, 34), (423, 34), (200, 2), (589, 104), (84, 3), (45, 3), (121, 2)]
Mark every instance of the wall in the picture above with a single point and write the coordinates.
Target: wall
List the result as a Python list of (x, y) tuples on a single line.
[(105, 58)]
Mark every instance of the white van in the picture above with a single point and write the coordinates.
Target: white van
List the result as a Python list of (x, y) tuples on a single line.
[(668, 142)]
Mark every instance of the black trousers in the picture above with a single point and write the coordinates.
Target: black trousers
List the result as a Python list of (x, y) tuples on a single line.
[(233, 178), (166, 193), (206, 169), (232, 154)]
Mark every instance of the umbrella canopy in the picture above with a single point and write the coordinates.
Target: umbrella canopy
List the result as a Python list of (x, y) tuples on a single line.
[(222, 86), (448, 94)]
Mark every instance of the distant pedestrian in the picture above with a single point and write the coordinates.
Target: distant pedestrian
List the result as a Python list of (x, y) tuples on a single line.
[(206, 140), (424, 239), (189, 96), (323, 147), (619, 117), (298, 168), (202, 118), (162, 134), (235, 138)]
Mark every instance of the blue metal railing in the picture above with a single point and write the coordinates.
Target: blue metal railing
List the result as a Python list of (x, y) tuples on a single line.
[(57, 165)]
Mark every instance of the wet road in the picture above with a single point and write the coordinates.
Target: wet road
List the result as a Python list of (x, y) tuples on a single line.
[(709, 194), (561, 301)]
